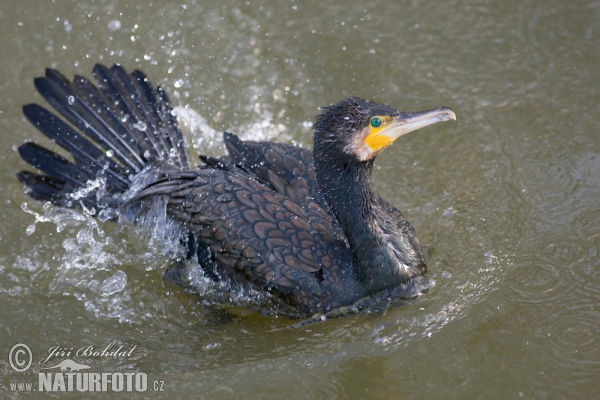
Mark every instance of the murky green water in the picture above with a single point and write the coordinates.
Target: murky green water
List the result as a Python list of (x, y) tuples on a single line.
[(506, 200)]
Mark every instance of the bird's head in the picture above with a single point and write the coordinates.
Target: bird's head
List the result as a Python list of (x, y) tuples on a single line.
[(358, 130)]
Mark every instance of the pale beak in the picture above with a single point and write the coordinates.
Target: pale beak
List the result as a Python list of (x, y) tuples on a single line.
[(408, 122)]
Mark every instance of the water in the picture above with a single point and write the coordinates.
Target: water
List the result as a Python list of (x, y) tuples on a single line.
[(506, 200)]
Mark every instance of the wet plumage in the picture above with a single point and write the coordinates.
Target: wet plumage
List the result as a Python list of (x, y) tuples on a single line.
[(306, 226)]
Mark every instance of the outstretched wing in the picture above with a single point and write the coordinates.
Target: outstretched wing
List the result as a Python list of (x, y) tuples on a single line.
[(261, 212)]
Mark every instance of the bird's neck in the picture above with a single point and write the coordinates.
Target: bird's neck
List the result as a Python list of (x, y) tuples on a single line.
[(382, 255)]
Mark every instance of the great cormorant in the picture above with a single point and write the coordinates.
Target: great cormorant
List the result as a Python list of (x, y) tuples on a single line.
[(305, 225)]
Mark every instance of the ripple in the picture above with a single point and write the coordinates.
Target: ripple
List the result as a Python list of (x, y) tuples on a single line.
[(570, 258), (562, 249), (587, 271), (586, 223), (536, 281), (450, 301), (575, 332), (562, 174)]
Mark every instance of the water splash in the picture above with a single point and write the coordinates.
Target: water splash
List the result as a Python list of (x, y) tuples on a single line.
[(90, 187), (60, 217), (205, 137), (86, 267), (114, 284), (107, 267), (203, 134)]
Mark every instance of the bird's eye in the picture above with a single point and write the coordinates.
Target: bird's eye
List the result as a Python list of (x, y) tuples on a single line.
[(375, 122)]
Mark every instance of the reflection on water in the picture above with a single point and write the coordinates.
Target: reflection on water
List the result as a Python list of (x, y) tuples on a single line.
[(506, 203)]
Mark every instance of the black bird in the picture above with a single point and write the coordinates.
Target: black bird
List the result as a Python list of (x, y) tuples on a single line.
[(306, 226)]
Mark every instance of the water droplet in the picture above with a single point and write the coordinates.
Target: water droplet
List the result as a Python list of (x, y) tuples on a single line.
[(110, 153), (71, 100), (107, 214), (211, 346), (140, 126), (30, 229), (449, 212), (179, 83), (114, 25)]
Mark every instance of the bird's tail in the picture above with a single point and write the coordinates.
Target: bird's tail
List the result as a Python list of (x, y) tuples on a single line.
[(118, 128)]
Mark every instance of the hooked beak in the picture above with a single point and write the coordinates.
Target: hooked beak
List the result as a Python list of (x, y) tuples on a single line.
[(409, 122), (405, 123)]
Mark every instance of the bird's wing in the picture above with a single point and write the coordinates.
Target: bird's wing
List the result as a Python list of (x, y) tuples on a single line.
[(288, 169), (254, 229), (402, 223)]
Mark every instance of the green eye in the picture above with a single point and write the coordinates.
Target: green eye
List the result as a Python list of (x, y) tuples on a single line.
[(375, 122)]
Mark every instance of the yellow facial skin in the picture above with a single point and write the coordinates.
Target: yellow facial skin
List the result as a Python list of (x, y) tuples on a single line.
[(376, 139)]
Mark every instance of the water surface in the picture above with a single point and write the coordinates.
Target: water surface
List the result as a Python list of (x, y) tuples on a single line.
[(506, 200)]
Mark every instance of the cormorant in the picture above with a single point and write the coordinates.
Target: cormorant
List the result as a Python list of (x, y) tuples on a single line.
[(306, 226)]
